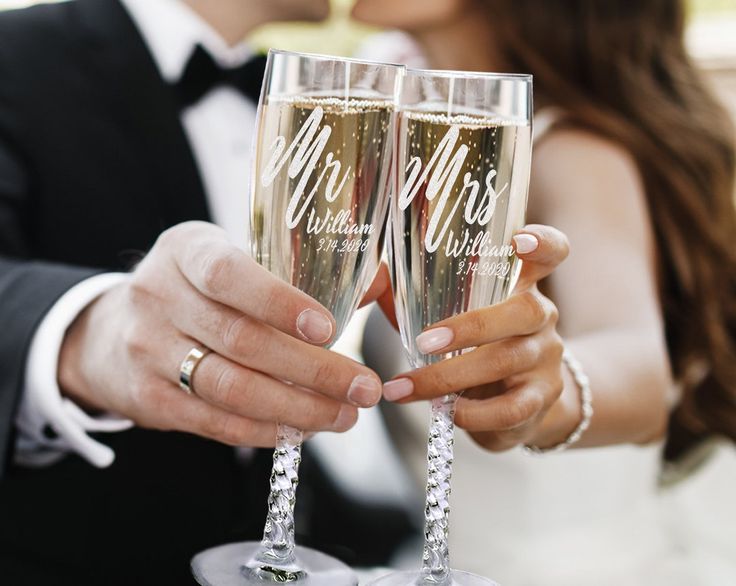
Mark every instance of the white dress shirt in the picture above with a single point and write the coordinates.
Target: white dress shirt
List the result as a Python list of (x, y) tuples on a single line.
[(220, 129)]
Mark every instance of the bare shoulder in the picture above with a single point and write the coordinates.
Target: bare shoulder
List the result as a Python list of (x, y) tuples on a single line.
[(576, 146), (577, 166), (592, 190)]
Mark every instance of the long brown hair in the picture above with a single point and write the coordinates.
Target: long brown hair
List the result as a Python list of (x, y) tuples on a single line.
[(620, 69)]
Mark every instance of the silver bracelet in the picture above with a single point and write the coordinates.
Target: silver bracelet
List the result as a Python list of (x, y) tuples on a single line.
[(586, 400)]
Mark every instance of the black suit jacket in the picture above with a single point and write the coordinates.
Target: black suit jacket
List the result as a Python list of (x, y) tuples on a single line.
[(94, 164)]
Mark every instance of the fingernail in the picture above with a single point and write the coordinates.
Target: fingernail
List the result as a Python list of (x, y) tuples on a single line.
[(364, 391), (398, 389), (434, 339), (314, 326), (345, 418), (525, 243)]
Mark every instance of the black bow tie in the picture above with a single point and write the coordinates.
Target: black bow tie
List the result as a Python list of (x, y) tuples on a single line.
[(202, 74)]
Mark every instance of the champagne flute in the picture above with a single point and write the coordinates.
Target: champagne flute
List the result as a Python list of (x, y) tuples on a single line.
[(463, 155), (319, 199)]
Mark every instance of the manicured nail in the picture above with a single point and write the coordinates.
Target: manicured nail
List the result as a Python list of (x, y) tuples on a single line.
[(525, 243), (364, 391), (397, 389), (314, 326), (434, 339), (345, 419)]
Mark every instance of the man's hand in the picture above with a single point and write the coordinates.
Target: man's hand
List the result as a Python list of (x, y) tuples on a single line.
[(123, 353)]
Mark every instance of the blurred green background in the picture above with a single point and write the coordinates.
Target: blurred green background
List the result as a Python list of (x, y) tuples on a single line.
[(340, 36), (337, 36)]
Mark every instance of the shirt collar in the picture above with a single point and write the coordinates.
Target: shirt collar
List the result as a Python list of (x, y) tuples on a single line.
[(172, 30)]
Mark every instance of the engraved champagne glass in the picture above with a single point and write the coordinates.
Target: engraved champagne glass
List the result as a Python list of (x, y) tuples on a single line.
[(319, 199), (462, 163)]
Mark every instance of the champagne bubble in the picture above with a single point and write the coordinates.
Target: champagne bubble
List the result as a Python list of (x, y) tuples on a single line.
[(435, 285)]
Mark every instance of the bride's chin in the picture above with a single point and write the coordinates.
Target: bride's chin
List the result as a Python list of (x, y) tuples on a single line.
[(380, 13), (408, 15), (362, 12)]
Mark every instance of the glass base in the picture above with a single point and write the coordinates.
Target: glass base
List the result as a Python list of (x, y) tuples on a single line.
[(234, 565), (457, 578)]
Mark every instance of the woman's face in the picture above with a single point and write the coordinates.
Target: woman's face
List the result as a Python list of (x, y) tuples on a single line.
[(407, 14)]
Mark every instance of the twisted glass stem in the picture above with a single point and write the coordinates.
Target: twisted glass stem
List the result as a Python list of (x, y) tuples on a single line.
[(436, 558), (278, 534)]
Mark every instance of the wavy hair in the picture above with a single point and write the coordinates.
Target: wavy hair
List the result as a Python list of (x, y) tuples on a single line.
[(620, 69)]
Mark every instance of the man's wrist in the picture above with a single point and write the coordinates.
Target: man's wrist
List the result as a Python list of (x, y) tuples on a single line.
[(42, 406), (71, 381)]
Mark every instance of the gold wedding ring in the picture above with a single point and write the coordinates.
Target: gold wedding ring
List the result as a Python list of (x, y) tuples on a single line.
[(188, 366)]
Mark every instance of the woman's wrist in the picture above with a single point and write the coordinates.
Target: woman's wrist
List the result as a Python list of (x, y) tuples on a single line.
[(563, 417)]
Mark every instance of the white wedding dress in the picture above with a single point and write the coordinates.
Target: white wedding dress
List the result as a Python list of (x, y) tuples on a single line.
[(579, 518), (588, 517)]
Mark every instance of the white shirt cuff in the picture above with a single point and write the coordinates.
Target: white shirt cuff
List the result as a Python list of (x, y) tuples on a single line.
[(49, 425)]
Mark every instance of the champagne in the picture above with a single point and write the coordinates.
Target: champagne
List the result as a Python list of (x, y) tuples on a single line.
[(320, 195), (461, 194)]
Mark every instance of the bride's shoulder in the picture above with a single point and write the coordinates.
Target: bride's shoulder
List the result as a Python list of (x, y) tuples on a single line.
[(572, 145), (572, 163)]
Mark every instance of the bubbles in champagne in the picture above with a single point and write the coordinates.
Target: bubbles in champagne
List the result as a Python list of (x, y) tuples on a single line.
[(462, 185), (319, 195)]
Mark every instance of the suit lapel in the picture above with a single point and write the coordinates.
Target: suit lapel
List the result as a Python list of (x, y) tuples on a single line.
[(146, 107)]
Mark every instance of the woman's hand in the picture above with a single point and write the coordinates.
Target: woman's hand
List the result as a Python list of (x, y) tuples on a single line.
[(123, 353), (511, 373)]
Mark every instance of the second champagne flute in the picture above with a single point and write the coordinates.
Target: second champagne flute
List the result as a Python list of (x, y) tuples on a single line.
[(319, 197), (463, 155)]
